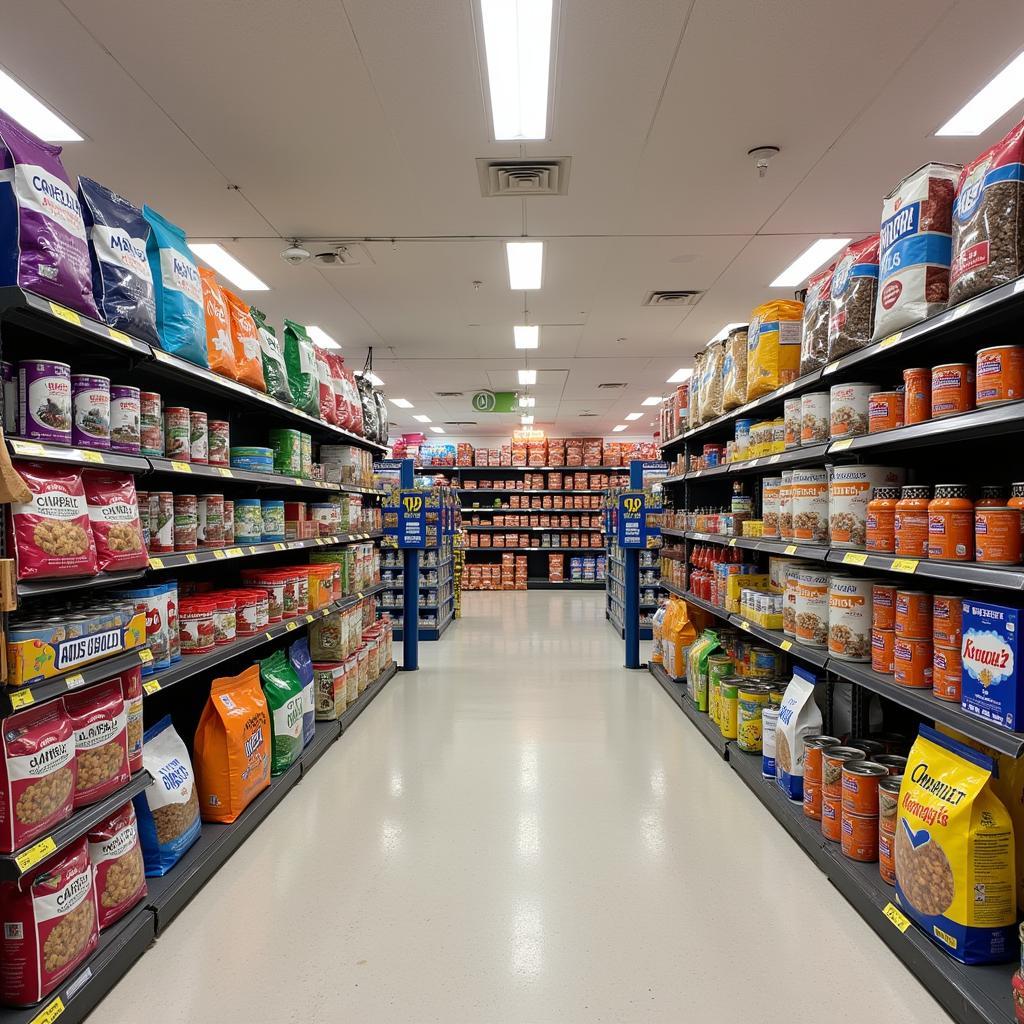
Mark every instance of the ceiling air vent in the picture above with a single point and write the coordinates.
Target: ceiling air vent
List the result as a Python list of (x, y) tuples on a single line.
[(461, 423), (680, 298), (524, 177), (587, 414), (611, 387), (449, 394)]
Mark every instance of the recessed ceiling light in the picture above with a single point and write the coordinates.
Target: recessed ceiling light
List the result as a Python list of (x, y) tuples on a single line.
[(525, 265), (526, 419), (987, 106), (526, 335), (652, 400), (634, 416), (402, 403), (809, 260), (224, 263), (724, 332), (437, 430), (527, 377), (517, 44), (619, 428), (322, 338), (39, 119), (422, 419), (679, 376), (527, 401)]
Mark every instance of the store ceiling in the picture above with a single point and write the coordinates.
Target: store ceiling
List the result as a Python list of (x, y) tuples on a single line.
[(345, 119)]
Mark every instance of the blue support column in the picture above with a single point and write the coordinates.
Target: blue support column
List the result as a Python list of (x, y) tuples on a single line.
[(631, 613), (411, 611)]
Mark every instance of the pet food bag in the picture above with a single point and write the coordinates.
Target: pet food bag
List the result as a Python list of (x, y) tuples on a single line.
[(245, 341), (328, 405), (988, 219), (300, 360), (52, 531), (232, 746), (799, 717), (283, 690), (657, 655), (180, 320), (734, 369), (298, 655), (371, 427), (697, 667), (114, 518), (122, 282), (711, 390), (119, 874), (383, 420), (100, 722), (817, 310), (37, 773), (43, 246), (168, 808), (854, 293), (50, 925), (955, 857), (678, 634), (220, 349), (773, 346), (275, 374), (915, 247)]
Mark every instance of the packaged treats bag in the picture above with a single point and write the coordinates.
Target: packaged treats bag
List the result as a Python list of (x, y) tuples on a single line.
[(915, 248), (286, 703), (220, 349), (50, 926), (298, 655), (122, 281), (118, 872), (245, 342), (713, 378), (43, 246), (275, 375), (114, 518), (180, 321), (168, 808), (300, 360), (854, 293), (773, 346), (657, 656), (328, 405), (52, 532), (799, 717), (817, 310), (734, 369), (955, 857), (697, 667), (678, 636), (232, 746), (988, 219), (100, 722)]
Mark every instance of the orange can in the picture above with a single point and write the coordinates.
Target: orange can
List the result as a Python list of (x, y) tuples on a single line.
[(831, 817), (813, 746), (913, 663), (913, 617), (952, 389), (859, 836), (917, 395), (1017, 501), (886, 856), (999, 374), (879, 524), (860, 786), (997, 535), (883, 642), (812, 801), (885, 411), (951, 524), (946, 673), (889, 802), (883, 605), (947, 619), (832, 761), (910, 524)]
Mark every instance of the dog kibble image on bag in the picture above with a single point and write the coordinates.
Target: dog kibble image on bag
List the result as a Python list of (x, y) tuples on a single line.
[(955, 865)]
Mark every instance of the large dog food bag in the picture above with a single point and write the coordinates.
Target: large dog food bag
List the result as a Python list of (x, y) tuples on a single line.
[(220, 350), (298, 655), (283, 690), (300, 360), (854, 292), (799, 717), (246, 343), (275, 375), (773, 346)]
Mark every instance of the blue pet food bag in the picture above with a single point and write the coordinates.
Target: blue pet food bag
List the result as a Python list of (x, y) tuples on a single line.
[(298, 655)]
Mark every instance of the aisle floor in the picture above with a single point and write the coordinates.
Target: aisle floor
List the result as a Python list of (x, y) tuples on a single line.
[(522, 831)]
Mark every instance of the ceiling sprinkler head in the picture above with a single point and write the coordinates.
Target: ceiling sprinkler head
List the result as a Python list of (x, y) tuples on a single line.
[(761, 156)]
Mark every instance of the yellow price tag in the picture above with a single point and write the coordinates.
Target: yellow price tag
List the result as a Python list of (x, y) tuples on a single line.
[(841, 446), (854, 558), (790, 549), (63, 313), (831, 368), (296, 481), (145, 655), (310, 618), (269, 636), (156, 563), (92, 457), (898, 918), (49, 1013), (904, 564), (218, 553), (22, 698), (73, 682), (892, 339), (151, 685), (119, 336), (227, 473), (732, 543), (28, 448), (278, 547), (35, 853), (786, 645), (180, 467), (252, 550), (290, 626), (190, 558), (745, 625), (235, 552)]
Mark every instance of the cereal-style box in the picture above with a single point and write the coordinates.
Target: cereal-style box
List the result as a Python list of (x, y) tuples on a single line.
[(988, 653)]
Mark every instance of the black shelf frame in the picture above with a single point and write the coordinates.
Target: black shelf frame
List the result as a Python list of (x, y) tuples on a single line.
[(677, 691), (14, 697)]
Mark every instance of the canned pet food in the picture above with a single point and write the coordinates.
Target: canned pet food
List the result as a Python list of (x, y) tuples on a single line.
[(813, 747), (831, 817), (728, 706), (219, 433), (947, 619), (151, 424), (952, 389), (791, 423), (883, 641), (832, 761), (859, 837), (273, 585), (880, 520), (850, 491), (913, 617), (849, 618), (287, 451), (885, 411), (177, 428), (1000, 374), (210, 533), (199, 441), (161, 522), (248, 521), (751, 699), (90, 399), (886, 857), (951, 524), (186, 522), (946, 673), (812, 800), (997, 535), (893, 763), (883, 605), (272, 519), (848, 410), (224, 623), (306, 449), (769, 723), (770, 487), (889, 801), (860, 786), (196, 625), (814, 418), (44, 401), (811, 621), (913, 663), (125, 419), (917, 395), (786, 505), (910, 524), (810, 505)]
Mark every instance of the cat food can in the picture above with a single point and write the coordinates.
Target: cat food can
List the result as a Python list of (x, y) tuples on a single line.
[(199, 442), (812, 800), (161, 522), (952, 389), (885, 410), (219, 433), (177, 430), (90, 398), (999, 374), (859, 836), (997, 535), (946, 673), (913, 663), (125, 419), (831, 817), (813, 746), (860, 786), (848, 410), (913, 614), (883, 605), (917, 395), (210, 532), (883, 642), (151, 424), (887, 857), (44, 401), (832, 761)]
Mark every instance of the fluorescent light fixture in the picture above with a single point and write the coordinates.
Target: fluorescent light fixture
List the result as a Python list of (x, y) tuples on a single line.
[(39, 119), (517, 41), (402, 403), (652, 400), (527, 401), (1004, 91), (619, 428), (526, 420), (527, 377), (634, 416), (324, 340), (437, 430), (679, 376), (724, 332), (525, 265), (808, 261), (224, 263), (422, 419), (527, 336)]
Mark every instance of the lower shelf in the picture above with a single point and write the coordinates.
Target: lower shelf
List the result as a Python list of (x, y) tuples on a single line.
[(677, 691), (427, 632), (542, 584), (645, 631)]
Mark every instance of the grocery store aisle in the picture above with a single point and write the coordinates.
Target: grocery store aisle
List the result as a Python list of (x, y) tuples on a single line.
[(522, 831)]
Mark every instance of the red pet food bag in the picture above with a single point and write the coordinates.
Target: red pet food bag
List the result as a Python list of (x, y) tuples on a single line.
[(101, 741), (49, 920), (328, 403), (114, 517), (118, 872)]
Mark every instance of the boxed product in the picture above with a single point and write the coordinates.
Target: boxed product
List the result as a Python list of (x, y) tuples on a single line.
[(989, 649)]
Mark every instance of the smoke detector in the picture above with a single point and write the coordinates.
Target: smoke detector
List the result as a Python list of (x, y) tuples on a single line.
[(295, 254), (761, 155)]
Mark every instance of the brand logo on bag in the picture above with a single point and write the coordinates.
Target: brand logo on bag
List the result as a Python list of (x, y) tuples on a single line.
[(972, 190)]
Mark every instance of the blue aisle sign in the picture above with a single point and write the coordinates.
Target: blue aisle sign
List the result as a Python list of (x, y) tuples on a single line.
[(412, 519), (631, 527)]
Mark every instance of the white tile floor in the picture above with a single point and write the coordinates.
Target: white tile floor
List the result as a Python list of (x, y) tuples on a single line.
[(522, 831)]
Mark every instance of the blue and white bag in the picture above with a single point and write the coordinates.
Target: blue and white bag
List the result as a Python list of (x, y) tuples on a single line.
[(298, 655)]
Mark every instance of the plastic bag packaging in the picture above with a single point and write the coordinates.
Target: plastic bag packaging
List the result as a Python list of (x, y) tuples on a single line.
[(328, 405), (854, 296), (383, 424), (220, 350), (300, 360), (298, 655), (275, 374), (245, 342), (799, 718), (286, 703), (122, 281), (118, 871), (100, 722), (817, 310), (693, 417), (114, 519), (678, 634), (734, 369), (773, 346), (43, 246), (369, 406), (714, 372), (180, 321)]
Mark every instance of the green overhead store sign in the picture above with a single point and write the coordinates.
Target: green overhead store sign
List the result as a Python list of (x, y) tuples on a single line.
[(495, 401)]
